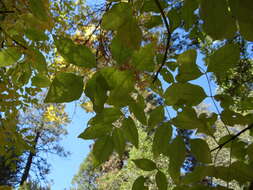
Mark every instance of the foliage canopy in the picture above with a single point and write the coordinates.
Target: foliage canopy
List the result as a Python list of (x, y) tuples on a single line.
[(137, 47)]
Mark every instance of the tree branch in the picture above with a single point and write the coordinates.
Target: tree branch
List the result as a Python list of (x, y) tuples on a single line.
[(15, 41), (232, 138), (168, 39), (6, 12)]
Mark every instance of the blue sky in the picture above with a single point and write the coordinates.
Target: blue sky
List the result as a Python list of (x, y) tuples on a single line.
[(63, 169)]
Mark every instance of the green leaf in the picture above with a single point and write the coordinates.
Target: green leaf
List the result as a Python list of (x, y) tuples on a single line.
[(139, 184), (137, 108), (241, 172), (201, 150), (161, 139), (145, 164), (198, 174), (223, 59), (130, 131), (238, 150), (121, 84), (153, 21), (219, 24), (78, 55), (184, 93), (9, 56), (38, 9), (250, 152), (66, 87), (232, 118), (38, 61), (156, 116), (143, 59), (120, 52), (107, 116), (242, 11), (188, 13), (36, 35), (161, 181), (119, 140), (187, 119), (96, 131), (225, 139), (167, 76), (175, 18), (130, 34), (96, 89), (117, 16), (41, 81), (208, 121), (150, 6), (177, 154), (103, 148), (188, 70)]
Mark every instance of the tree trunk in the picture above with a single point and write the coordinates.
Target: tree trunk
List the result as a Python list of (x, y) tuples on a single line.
[(29, 160)]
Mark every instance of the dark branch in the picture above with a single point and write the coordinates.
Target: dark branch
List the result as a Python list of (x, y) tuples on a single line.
[(232, 138), (6, 12), (168, 38), (15, 41)]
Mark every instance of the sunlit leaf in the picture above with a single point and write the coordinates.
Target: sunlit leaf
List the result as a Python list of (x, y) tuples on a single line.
[(9, 56), (41, 81), (144, 58), (78, 55), (117, 16), (66, 87)]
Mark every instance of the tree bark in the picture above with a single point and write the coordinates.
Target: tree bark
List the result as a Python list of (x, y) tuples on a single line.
[(30, 160)]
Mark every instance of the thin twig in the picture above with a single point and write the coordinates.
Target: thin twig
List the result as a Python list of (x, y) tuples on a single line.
[(232, 138), (168, 39)]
